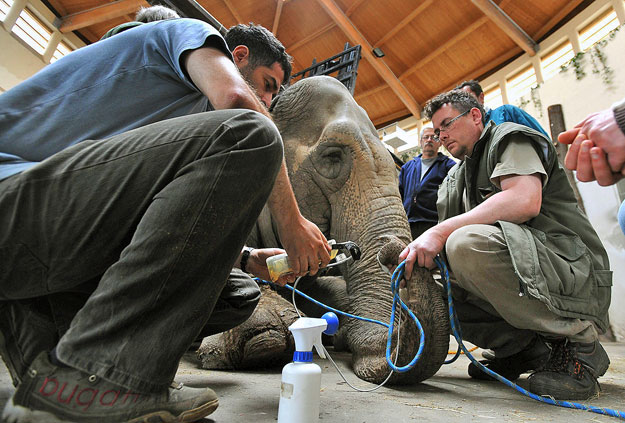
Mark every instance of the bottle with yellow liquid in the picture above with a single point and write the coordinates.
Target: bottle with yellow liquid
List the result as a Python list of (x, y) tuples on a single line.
[(279, 266)]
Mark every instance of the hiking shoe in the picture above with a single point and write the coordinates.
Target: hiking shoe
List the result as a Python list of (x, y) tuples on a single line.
[(531, 358), (572, 371), (54, 394)]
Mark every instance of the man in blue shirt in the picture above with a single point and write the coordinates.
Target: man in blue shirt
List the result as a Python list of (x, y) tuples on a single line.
[(419, 180), (504, 113), (131, 172)]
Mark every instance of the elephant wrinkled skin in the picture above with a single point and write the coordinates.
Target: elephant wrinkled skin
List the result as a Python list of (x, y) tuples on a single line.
[(345, 181)]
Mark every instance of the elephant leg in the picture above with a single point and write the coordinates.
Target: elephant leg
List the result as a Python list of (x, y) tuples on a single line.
[(261, 341)]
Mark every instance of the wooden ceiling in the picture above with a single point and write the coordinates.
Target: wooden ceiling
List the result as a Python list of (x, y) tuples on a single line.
[(429, 45)]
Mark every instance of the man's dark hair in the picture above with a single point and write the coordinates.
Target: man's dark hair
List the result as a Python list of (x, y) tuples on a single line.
[(155, 13), (265, 49), (458, 99), (473, 85)]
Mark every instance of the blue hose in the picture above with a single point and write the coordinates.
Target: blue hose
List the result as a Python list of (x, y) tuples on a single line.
[(455, 329)]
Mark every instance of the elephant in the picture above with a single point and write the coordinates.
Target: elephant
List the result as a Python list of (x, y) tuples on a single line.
[(345, 181)]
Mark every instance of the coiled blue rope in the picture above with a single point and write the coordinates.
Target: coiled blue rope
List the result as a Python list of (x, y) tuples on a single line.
[(455, 328), (395, 279)]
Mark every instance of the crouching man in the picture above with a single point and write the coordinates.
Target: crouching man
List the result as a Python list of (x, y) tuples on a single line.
[(530, 277)]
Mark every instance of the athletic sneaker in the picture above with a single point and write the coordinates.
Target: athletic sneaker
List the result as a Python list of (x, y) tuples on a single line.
[(52, 394), (572, 371)]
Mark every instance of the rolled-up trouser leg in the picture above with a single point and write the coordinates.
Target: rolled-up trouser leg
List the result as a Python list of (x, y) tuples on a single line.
[(491, 312), (161, 212)]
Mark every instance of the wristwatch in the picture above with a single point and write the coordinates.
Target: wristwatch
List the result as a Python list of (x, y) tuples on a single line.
[(245, 257)]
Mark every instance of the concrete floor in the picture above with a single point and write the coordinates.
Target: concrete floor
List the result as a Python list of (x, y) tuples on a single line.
[(449, 396)]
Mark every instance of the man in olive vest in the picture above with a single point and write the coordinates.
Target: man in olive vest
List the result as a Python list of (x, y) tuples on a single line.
[(531, 279)]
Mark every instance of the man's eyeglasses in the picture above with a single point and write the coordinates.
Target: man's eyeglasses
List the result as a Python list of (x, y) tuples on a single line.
[(447, 125), (429, 137)]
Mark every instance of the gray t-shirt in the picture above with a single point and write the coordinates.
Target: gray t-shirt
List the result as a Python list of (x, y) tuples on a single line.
[(425, 165), (112, 86)]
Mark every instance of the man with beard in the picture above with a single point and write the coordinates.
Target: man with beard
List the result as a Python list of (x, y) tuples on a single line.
[(419, 180), (131, 173)]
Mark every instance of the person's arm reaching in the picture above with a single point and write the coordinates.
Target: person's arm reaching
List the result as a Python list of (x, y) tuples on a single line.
[(219, 79), (599, 134), (519, 201)]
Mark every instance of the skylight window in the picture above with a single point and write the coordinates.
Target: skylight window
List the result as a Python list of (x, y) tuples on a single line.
[(520, 84), (493, 97), (32, 31), (5, 5), (60, 51), (598, 29), (560, 56)]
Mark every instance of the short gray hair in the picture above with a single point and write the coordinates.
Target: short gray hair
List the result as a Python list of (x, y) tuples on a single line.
[(155, 13), (459, 100)]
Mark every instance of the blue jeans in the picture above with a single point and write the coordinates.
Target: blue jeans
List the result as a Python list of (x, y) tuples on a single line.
[(122, 248)]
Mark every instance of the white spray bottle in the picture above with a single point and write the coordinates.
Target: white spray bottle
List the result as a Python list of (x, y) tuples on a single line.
[(301, 379)]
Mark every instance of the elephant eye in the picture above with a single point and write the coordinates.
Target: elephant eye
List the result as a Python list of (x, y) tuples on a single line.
[(331, 162)]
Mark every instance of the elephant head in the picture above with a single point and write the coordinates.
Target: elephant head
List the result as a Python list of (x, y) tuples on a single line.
[(345, 181)]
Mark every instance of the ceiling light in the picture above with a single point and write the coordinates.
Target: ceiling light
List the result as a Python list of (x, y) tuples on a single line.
[(377, 52)]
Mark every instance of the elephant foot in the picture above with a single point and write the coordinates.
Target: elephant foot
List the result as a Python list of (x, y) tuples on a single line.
[(261, 341)]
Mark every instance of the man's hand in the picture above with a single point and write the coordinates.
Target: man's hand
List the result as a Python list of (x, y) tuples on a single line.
[(423, 250), (600, 128), (306, 246), (590, 162), (257, 265)]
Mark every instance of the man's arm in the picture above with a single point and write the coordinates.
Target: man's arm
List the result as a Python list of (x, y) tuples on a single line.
[(519, 201), (219, 79), (598, 133)]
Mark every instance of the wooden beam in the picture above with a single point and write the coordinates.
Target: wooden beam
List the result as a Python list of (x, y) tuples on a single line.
[(351, 9), (233, 11), (474, 74), (311, 37), (378, 64), (324, 29), (438, 50), (403, 23), (555, 19), (276, 19), (371, 91), (392, 117), (507, 25), (97, 14)]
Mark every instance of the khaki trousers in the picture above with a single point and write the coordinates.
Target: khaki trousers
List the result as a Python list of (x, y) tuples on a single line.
[(491, 309)]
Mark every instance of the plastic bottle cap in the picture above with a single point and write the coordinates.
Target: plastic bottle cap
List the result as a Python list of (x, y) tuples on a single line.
[(333, 323), (303, 356)]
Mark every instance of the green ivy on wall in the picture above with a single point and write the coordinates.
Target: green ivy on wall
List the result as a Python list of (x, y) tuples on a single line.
[(598, 60)]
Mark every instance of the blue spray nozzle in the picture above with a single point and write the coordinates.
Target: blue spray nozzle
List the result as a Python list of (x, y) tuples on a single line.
[(333, 323)]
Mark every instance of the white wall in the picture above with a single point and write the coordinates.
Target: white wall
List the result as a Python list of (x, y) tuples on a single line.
[(23, 62)]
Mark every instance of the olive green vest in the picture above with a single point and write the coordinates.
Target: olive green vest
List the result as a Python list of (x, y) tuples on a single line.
[(557, 255)]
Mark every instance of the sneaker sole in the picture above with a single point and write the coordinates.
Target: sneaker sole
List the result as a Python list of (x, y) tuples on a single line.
[(18, 414)]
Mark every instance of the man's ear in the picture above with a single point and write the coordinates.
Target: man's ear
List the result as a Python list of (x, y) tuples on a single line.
[(476, 115), (241, 55)]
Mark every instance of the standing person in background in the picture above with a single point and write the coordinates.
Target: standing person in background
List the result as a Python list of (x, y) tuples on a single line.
[(419, 180), (144, 15), (504, 113)]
